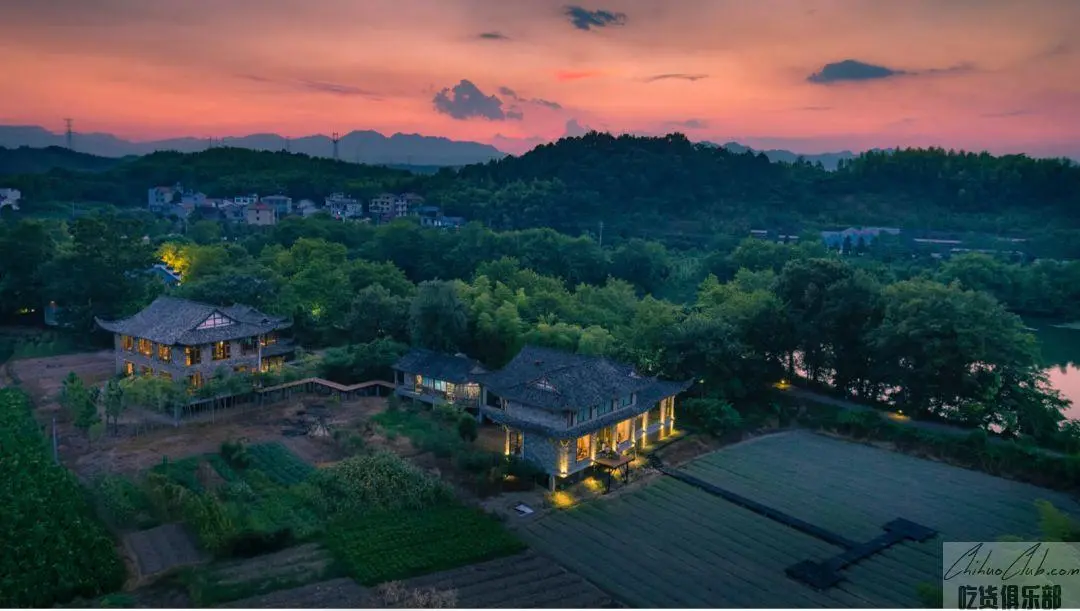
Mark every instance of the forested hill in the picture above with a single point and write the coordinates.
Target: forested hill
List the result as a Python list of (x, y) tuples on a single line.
[(27, 160), (218, 172), (649, 182), (665, 188)]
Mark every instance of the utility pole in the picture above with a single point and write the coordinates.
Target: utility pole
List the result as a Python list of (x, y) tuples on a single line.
[(68, 134), (601, 234)]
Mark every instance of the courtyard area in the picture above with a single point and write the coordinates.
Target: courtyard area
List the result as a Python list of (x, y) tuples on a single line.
[(671, 544)]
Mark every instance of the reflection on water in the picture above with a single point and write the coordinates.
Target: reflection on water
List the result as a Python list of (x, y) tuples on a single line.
[(1060, 350)]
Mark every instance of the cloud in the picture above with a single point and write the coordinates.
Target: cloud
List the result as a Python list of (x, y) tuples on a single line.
[(677, 76), (584, 19), (689, 123), (492, 36), (313, 85), (335, 88), (852, 70), (1004, 115), (575, 129), (466, 101), (576, 75), (510, 93), (815, 108)]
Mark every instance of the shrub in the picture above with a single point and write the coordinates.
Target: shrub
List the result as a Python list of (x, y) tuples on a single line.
[(235, 453), (477, 461), (468, 428), (379, 481), (713, 416)]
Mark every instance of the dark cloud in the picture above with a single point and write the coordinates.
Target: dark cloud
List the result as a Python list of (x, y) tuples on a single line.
[(335, 88), (690, 123), (466, 101), (676, 76), (584, 19), (1004, 115), (510, 93), (493, 36), (852, 70), (575, 129), (313, 85)]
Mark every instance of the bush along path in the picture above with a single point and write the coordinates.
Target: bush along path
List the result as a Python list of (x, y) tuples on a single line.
[(933, 427)]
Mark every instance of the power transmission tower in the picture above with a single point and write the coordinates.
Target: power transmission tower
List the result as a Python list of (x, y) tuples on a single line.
[(335, 138), (601, 234), (68, 134)]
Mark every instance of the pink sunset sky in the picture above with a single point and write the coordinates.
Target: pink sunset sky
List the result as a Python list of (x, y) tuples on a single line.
[(806, 75)]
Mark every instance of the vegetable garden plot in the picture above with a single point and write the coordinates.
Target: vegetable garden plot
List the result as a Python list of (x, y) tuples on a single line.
[(163, 548), (279, 464), (393, 545), (54, 547)]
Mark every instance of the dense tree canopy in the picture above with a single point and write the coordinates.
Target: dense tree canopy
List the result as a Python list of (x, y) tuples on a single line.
[(735, 315)]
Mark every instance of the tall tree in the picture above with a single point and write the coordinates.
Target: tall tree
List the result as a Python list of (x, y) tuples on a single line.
[(437, 317)]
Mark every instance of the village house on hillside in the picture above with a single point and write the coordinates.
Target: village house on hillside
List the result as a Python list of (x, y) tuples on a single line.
[(434, 377), (564, 412), (260, 214), (180, 339)]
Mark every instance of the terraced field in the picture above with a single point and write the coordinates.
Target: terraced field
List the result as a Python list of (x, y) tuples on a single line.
[(673, 545)]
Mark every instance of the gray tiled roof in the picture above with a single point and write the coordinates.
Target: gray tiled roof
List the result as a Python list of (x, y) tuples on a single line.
[(173, 321), (647, 399), (562, 381), (447, 367)]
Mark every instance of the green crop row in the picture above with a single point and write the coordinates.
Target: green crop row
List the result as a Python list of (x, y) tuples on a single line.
[(279, 464), (392, 545), (54, 548)]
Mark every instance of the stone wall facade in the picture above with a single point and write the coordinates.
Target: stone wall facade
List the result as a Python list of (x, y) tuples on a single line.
[(176, 364)]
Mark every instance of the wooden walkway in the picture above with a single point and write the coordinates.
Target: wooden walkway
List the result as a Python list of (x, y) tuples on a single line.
[(323, 387)]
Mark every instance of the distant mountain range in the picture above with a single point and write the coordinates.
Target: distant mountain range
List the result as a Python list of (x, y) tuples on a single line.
[(828, 160), (401, 150), (359, 146)]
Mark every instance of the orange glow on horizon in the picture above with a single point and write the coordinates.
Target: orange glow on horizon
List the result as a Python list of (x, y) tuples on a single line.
[(988, 75)]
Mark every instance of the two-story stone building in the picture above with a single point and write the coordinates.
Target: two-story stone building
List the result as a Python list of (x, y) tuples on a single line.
[(563, 412), (186, 340)]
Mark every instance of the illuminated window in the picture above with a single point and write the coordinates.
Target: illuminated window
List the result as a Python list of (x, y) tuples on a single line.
[(622, 431), (192, 355), (517, 439), (582, 448), (654, 414), (222, 350), (195, 380), (269, 339), (214, 321), (164, 353), (146, 347), (129, 368), (127, 343)]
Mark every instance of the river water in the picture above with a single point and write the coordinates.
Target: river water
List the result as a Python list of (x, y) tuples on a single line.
[(1060, 350)]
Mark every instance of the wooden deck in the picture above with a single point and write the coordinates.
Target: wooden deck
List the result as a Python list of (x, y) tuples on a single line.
[(671, 544)]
